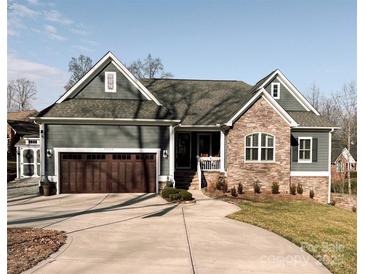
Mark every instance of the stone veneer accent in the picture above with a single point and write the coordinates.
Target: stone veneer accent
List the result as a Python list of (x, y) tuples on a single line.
[(318, 184), (211, 177), (260, 117)]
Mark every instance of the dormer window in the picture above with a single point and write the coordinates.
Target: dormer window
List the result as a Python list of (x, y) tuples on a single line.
[(110, 81), (275, 90)]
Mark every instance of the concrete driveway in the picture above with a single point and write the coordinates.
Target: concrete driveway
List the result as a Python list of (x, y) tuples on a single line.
[(141, 233)]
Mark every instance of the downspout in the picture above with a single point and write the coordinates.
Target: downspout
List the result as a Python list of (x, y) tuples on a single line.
[(329, 165)]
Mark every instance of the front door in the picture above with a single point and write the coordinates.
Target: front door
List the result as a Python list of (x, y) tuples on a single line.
[(204, 145), (183, 150)]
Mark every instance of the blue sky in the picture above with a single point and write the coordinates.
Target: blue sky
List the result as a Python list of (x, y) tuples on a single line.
[(309, 41)]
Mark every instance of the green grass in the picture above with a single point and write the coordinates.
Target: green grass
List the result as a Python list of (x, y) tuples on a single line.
[(326, 232)]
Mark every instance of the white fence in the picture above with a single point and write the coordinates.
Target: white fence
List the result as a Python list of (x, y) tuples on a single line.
[(210, 163)]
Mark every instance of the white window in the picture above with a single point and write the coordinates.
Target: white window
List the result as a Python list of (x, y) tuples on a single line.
[(110, 81), (305, 150), (275, 90), (260, 147)]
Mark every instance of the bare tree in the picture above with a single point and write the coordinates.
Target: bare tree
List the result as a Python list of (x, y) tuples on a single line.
[(314, 96), (10, 97), (149, 68), (347, 102), (21, 91), (78, 67)]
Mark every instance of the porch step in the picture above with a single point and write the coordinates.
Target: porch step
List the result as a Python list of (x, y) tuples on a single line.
[(187, 179)]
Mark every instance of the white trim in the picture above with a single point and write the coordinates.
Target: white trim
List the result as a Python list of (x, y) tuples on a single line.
[(246, 106), (217, 126), (222, 150), (163, 178), (291, 88), (114, 89), (304, 127), (305, 161), (42, 147), (185, 167), (329, 165), (172, 153), (106, 120), (272, 102), (21, 163), (259, 149), (121, 68), (58, 150), (309, 173), (279, 109), (272, 90)]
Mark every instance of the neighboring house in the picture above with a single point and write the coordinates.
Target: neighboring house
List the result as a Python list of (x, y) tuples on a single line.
[(341, 164), (23, 143), (113, 133), (18, 126)]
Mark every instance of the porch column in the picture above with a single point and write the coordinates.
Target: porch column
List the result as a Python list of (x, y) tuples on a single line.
[(172, 154), (42, 152), (222, 151), (17, 162)]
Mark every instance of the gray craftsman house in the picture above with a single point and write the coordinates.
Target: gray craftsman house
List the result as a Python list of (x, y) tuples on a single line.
[(113, 133)]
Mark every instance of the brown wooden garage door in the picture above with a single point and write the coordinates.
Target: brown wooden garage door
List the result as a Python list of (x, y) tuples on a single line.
[(108, 172)]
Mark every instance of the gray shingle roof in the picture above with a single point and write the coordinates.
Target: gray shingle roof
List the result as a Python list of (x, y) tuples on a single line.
[(24, 127), (200, 102), (309, 119), (106, 108)]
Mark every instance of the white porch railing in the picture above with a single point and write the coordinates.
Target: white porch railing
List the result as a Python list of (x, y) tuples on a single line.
[(210, 163)]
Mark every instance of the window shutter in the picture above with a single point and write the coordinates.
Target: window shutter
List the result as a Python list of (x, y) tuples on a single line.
[(315, 150), (294, 148)]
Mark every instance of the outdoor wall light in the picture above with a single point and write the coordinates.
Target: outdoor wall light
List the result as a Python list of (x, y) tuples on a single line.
[(49, 153), (165, 154)]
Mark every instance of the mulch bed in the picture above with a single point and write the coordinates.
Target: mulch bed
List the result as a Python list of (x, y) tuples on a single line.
[(264, 196), (28, 246)]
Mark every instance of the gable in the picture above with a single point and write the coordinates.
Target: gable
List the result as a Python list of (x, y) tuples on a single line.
[(94, 88), (286, 100), (97, 68)]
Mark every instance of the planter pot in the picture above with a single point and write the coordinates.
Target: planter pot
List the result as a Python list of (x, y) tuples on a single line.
[(46, 189)]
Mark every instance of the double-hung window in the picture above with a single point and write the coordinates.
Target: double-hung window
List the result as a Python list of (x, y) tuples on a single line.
[(260, 147), (305, 150)]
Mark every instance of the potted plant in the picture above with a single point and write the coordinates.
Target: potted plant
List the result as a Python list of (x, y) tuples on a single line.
[(46, 186)]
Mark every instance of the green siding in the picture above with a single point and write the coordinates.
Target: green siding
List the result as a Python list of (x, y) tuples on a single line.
[(287, 100), (95, 87), (107, 136), (322, 153)]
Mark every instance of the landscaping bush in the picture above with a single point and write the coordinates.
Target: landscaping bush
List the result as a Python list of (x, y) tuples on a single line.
[(311, 194), (225, 187), (354, 209), (293, 189), (257, 187), (185, 195), (240, 188), (333, 203), (300, 189), (233, 191), (221, 182), (167, 191), (275, 188), (174, 197)]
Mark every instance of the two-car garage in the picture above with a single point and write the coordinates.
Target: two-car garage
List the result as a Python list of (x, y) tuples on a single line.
[(107, 172)]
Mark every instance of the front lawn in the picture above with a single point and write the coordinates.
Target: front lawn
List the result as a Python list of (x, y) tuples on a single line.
[(28, 246), (326, 232)]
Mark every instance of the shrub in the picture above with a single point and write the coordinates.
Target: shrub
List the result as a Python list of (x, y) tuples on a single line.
[(311, 194), (333, 203), (185, 195), (233, 191), (220, 183), (257, 187), (300, 189), (225, 187), (240, 188), (354, 209), (293, 189), (275, 188), (167, 191), (174, 197)]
